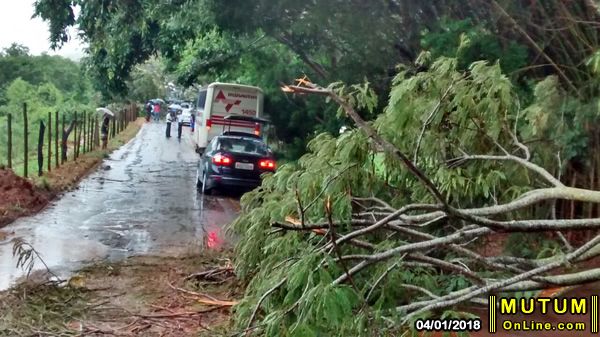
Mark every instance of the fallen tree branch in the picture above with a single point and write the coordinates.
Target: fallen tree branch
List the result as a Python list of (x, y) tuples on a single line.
[(370, 132), (506, 282), (260, 301)]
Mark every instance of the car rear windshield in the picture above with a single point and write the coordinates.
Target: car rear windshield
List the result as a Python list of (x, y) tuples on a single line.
[(243, 145)]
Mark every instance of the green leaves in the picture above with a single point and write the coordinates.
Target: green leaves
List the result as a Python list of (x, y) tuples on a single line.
[(448, 112)]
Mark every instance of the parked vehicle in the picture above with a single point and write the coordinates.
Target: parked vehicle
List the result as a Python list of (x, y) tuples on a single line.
[(218, 100), (234, 160), (174, 109), (186, 116), (187, 109)]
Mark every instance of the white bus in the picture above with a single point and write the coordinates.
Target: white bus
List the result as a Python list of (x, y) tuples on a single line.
[(219, 100)]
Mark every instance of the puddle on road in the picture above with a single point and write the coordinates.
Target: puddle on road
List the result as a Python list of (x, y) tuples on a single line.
[(146, 203)]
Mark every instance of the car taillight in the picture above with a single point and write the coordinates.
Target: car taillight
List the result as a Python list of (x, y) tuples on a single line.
[(257, 129), (267, 164), (221, 160), (208, 123)]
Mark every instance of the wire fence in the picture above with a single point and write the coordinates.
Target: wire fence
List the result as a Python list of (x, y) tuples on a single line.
[(48, 142)]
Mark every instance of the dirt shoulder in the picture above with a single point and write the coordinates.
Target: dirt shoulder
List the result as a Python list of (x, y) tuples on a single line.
[(141, 296), (21, 197)]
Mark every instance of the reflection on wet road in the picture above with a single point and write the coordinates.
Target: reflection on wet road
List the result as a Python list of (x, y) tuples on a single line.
[(146, 203)]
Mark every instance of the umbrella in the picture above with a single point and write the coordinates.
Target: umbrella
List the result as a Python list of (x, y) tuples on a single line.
[(157, 100), (105, 111)]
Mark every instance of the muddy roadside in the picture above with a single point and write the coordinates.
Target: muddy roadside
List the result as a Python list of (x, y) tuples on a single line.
[(22, 197), (139, 296)]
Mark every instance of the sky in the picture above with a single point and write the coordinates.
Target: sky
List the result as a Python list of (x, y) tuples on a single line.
[(16, 25)]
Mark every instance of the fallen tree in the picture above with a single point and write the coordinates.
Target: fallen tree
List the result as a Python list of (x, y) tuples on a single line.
[(361, 237)]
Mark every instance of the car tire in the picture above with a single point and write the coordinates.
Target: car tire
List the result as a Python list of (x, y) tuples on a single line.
[(202, 186)]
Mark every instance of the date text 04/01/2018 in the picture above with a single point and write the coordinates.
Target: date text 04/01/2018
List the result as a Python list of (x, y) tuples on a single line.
[(448, 324)]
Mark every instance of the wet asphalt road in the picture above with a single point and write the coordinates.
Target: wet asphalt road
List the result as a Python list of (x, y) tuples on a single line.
[(146, 203)]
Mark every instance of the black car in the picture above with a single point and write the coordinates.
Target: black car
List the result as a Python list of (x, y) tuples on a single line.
[(234, 159)]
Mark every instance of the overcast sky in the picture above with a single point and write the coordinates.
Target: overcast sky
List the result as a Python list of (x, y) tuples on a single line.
[(16, 25)]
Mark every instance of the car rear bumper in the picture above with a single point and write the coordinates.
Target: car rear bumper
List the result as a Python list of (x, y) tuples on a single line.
[(228, 181)]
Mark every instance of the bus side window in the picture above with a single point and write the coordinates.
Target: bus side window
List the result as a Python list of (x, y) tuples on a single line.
[(201, 100)]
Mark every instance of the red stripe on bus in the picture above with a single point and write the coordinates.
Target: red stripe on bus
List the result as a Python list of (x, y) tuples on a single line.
[(246, 125), (222, 117)]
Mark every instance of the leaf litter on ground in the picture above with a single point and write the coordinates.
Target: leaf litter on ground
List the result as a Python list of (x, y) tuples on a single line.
[(140, 296)]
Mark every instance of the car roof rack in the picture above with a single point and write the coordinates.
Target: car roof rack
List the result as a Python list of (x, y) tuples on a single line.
[(246, 119)]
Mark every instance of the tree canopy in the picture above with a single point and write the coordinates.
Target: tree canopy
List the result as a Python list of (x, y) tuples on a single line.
[(265, 43)]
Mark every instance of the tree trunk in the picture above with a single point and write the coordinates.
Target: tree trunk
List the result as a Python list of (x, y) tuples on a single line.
[(65, 138)]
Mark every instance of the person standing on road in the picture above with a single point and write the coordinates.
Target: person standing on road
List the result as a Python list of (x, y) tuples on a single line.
[(193, 121), (148, 111), (156, 109), (169, 119), (104, 131), (179, 125)]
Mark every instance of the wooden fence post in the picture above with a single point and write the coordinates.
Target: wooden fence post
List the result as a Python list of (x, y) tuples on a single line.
[(91, 131), (96, 132), (79, 129), (63, 144), (111, 131), (40, 149), (57, 134), (9, 122), (49, 141), (83, 130), (91, 134), (25, 141), (75, 137), (65, 138), (88, 126)]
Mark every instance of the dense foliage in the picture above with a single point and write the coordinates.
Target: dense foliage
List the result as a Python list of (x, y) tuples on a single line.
[(472, 111)]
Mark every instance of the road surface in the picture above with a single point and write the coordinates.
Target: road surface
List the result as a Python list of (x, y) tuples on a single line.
[(142, 200)]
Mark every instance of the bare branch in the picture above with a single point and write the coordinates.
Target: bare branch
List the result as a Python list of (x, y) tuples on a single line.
[(507, 282), (452, 238), (529, 165)]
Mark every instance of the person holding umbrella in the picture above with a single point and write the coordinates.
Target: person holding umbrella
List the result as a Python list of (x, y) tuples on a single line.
[(156, 108), (179, 125), (106, 115), (104, 131), (148, 110)]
